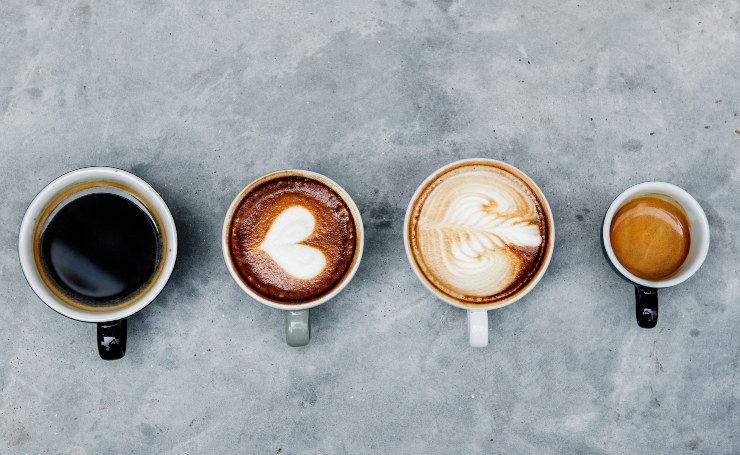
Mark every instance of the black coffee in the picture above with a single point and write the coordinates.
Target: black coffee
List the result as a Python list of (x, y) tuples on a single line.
[(101, 249)]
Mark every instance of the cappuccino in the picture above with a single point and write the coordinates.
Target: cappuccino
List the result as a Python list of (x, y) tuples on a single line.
[(292, 239), (478, 233)]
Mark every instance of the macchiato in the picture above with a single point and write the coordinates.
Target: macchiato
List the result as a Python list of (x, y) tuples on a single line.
[(650, 236), (478, 233), (292, 239)]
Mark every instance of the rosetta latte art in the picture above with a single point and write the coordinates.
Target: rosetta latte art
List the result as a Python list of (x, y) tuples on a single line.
[(475, 233), (479, 233)]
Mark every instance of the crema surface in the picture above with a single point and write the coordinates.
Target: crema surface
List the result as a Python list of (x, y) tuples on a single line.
[(292, 239), (478, 233)]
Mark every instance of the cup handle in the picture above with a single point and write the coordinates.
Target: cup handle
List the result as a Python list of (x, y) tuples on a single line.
[(297, 328), (478, 328), (646, 306), (112, 339)]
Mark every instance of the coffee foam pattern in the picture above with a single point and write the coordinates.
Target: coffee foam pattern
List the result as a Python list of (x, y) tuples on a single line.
[(292, 239), (479, 234), (283, 244)]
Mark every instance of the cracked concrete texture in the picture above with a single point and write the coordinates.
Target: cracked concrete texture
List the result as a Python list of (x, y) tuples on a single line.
[(199, 98)]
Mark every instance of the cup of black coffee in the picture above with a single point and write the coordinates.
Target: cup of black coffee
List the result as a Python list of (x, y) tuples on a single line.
[(97, 245)]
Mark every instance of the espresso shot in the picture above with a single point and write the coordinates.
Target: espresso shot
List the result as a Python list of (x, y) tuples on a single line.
[(655, 235), (651, 236)]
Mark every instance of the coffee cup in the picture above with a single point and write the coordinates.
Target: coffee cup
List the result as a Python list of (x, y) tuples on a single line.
[(655, 235), (479, 234), (97, 245), (292, 240)]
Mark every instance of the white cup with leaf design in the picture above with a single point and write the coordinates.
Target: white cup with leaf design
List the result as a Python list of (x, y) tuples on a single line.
[(292, 240), (479, 234)]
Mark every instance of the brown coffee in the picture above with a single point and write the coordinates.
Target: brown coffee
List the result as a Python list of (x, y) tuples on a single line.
[(478, 233), (292, 239), (650, 236)]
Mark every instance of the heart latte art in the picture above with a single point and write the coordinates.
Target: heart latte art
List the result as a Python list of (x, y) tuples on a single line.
[(282, 244), (478, 233), (292, 239)]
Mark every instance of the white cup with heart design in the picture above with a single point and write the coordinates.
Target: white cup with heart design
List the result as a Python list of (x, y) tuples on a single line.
[(292, 240)]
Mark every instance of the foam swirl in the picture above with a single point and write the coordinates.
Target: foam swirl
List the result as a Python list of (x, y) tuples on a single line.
[(478, 231)]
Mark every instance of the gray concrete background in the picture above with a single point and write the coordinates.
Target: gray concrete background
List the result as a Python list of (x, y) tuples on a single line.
[(199, 98)]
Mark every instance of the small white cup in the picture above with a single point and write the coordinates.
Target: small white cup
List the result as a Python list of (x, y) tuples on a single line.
[(478, 314), (111, 322), (646, 291), (297, 321)]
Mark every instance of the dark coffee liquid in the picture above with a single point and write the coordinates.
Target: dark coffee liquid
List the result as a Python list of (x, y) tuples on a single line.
[(100, 249)]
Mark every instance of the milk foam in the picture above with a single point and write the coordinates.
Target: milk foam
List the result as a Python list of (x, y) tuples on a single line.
[(469, 228), (283, 244)]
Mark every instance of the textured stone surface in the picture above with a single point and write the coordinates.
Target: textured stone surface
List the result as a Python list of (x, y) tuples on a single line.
[(199, 98)]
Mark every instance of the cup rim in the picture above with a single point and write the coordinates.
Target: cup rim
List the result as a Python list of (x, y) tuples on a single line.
[(46, 196), (529, 286), (359, 244), (667, 189)]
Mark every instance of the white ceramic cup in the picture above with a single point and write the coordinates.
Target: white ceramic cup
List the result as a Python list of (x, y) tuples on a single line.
[(111, 321), (297, 321), (646, 291), (478, 313)]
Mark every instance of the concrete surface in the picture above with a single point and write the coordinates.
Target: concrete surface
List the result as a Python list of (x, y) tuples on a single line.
[(199, 98)]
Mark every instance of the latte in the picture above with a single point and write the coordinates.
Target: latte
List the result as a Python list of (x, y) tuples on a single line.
[(292, 239), (478, 232)]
